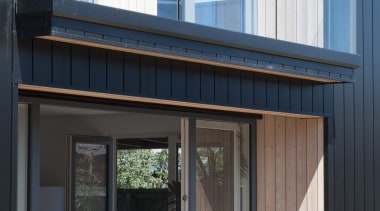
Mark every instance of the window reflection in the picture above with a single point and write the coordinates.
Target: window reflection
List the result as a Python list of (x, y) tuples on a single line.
[(90, 177), (225, 14), (320, 23)]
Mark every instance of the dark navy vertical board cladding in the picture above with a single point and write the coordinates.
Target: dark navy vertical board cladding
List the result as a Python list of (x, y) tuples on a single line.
[(284, 93), (359, 145), (193, 82), (148, 76), (115, 72), (307, 96), (272, 91), (328, 109), (247, 88), (339, 146), (42, 60), (6, 99), (23, 59), (368, 93), (80, 67), (329, 144), (61, 64), (221, 85), (234, 87), (98, 69), (359, 117), (376, 67), (260, 90), (296, 95), (178, 82), (207, 84), (131, 74), (163, 77), (317, 98), (349, 148)]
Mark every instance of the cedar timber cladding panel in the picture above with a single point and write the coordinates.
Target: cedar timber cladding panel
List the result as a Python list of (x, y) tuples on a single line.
[(55, 64), (290, 164)]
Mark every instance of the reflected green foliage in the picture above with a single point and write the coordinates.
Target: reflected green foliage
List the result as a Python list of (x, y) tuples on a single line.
[(90, 187), (142, 168)]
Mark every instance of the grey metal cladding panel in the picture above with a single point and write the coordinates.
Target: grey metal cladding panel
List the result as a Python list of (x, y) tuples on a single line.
[(193, 49)]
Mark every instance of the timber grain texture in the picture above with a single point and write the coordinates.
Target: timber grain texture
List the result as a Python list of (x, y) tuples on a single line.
[(290, 164)]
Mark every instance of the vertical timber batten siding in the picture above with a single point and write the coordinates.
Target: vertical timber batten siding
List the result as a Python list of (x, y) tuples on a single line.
[(62, 65), (290, 164)]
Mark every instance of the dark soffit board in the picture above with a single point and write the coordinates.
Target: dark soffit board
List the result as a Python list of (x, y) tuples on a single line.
[(104, 27)]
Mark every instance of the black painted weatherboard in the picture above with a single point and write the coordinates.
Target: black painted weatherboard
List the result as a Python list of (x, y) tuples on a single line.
[(93, 69), (80, 67), (163, 77), (42, 61), (115, 71), (131, 74), (178, 80), (61, 64), (8, 106)]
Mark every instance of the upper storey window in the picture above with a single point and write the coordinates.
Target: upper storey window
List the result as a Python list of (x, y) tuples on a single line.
[(322, 23)]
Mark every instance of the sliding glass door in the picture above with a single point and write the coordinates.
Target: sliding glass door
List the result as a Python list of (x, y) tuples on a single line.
[(216, 165), (207, 171)]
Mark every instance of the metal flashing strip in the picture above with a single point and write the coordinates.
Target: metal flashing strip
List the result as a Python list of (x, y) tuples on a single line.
[(185, 55), (101, 95)]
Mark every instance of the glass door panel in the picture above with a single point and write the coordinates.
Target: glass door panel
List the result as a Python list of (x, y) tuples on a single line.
[(222, 166), (91, 180), (147, 174)]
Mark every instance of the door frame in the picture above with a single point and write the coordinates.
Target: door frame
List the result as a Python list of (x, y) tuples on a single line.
[(188, 172), (111, 168)]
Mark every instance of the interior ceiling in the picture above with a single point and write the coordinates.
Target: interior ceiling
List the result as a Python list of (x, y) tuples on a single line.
[(53, 110)]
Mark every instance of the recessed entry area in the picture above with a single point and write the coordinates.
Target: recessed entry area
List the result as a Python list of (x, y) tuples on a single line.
[(86, 159), (74, 154), (95, 160)]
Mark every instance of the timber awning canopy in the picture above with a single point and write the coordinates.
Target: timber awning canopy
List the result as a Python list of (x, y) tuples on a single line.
[(98, 26)]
